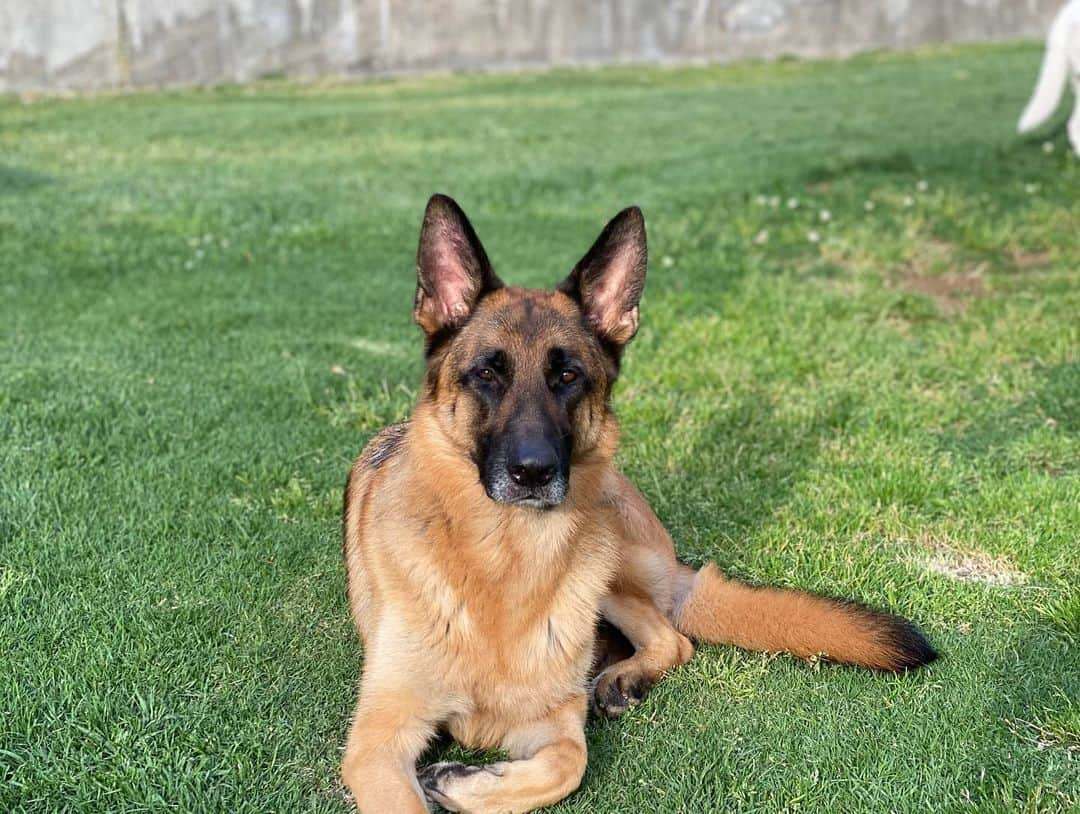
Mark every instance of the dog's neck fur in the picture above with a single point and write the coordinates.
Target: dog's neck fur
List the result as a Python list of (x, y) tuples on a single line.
[(520, 544)]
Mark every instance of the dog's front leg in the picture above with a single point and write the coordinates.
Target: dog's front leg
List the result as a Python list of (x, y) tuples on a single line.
[(547, 762), (390, 729), (658, 647)]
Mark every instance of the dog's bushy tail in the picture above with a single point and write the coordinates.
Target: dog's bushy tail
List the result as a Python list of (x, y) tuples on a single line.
[(1054, 73), (724, 611)]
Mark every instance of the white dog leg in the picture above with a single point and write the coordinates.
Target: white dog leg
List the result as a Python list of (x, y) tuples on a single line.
[(1062, 60), (1074, 120)]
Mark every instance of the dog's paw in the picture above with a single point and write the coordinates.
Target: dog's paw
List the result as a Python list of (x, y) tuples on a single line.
[(617, 689), (454, 785)]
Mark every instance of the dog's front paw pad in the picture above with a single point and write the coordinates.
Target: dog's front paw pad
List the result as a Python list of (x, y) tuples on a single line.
[(439, 779)]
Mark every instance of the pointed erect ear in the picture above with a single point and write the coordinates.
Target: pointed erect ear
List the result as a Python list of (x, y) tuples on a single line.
[(452, 269), (607, 282)]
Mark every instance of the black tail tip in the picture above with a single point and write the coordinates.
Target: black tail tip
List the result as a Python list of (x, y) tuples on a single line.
[(909, 647)]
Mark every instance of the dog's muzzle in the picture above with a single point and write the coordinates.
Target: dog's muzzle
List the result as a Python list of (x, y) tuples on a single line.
[(528, 470)]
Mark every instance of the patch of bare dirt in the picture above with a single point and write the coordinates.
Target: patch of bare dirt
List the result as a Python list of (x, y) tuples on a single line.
[(931, 271), (1030, 260), (952, 292)]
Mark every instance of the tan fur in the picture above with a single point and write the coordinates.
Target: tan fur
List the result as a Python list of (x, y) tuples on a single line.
[(479, 618)]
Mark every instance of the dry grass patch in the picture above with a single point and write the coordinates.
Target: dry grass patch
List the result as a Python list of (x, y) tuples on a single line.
[(968, 565)]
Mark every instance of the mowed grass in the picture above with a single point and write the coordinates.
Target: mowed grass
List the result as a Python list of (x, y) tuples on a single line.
[(858, 373)]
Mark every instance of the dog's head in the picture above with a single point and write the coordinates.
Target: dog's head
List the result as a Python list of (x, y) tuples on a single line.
[(519, 379)]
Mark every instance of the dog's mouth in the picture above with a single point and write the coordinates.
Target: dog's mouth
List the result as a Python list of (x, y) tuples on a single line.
[(533, 503), (539, 501)]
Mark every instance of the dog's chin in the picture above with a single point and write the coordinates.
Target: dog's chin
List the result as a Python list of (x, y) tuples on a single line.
[(534, 501)]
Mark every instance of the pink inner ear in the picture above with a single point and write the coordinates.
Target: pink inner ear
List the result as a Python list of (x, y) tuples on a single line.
[(454, 287), (610, 302), (450, 291)]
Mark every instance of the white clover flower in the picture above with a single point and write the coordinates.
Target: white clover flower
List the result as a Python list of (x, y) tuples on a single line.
[(813, 236), (825, 216), (923, 185), (869, 206), (1031, 189), (762, 237), (761, 200), (793, 203), (1048, 147), (667, 261), (774, 201), (909, 201)]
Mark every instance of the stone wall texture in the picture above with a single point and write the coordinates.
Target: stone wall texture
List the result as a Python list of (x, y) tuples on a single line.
[(58, 44)]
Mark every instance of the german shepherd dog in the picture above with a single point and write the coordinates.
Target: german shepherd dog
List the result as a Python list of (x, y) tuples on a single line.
[(497, 558)]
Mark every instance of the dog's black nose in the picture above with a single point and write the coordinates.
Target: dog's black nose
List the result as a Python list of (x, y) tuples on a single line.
[(532, 465)]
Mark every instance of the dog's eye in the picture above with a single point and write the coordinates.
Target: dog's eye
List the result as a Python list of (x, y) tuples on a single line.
[(568, 376), (485, 374)]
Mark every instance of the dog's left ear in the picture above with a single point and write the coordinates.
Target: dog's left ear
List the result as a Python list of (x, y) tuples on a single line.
[(607, 282)]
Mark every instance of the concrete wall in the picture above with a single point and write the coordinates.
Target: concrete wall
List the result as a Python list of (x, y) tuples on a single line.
[(107, 43)]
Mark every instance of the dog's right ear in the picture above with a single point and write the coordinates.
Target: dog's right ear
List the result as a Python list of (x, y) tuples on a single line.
[(452, 268)]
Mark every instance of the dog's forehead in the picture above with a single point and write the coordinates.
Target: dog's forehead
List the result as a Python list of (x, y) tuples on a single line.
[(519, 319)]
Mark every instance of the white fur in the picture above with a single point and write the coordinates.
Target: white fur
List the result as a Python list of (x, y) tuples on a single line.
[(1062, 60)]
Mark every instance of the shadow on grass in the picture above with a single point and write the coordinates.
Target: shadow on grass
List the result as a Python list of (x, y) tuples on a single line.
[(895, 163), (1029, 663), (1001, 170), (743, 466), (1054, 405), (14, 180)]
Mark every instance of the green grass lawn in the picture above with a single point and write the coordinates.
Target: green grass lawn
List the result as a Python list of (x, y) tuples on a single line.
[(858, 373)]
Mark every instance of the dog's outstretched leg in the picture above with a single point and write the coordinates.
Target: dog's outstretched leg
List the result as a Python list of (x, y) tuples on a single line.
[(390, 729), (547, 762), (658, 647)]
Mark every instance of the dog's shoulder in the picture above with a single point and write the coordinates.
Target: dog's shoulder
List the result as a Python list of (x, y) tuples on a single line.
[(383, 446)]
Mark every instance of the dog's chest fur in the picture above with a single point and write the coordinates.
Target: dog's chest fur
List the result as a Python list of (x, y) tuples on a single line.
[(500, 606), (516, 604)]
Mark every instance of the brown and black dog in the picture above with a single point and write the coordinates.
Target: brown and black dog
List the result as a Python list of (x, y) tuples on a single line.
[(487, 536)]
